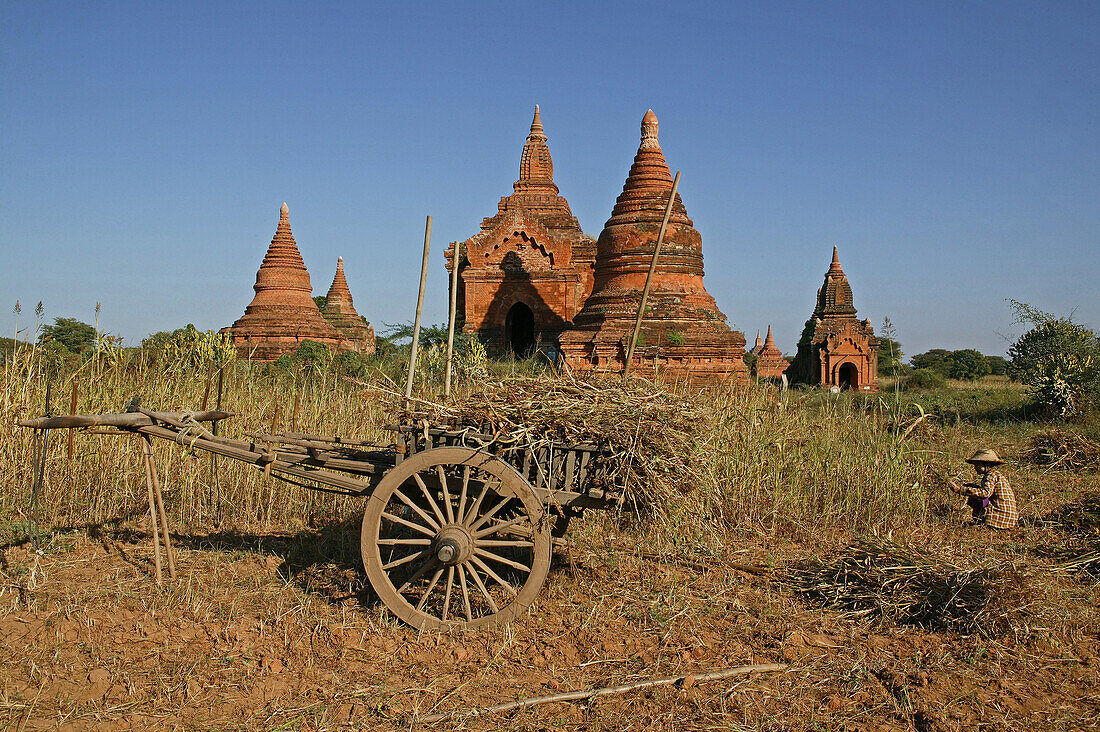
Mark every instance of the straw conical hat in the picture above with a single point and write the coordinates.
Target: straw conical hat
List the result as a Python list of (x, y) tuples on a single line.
[(985, 456)]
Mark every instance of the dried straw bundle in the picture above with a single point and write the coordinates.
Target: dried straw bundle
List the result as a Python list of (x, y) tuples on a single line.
[(880, 577), (1079, 552), (1065, 450), (650, 432)]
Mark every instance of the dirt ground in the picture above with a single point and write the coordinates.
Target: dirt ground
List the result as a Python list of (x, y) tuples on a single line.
[(276, 631)]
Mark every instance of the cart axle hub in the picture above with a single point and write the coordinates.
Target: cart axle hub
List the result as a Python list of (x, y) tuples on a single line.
[(453, 545)]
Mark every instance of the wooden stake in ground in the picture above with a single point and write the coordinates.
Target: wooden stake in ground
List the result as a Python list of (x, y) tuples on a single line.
[(419, 309), (40, 467), (72, 410), (649, 277), (153, 516), (151, 472), (606, 691), (451, 319)]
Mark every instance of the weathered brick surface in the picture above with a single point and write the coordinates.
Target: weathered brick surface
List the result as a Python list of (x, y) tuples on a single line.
[(340, 312), (836, 348), (282, 314), (532, 251), (683, 332)]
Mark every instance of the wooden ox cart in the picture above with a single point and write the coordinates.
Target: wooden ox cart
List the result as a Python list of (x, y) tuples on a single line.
[(458, 527)]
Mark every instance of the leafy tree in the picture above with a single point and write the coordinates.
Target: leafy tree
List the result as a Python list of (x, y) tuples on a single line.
[(889, 357), (938, 359), (998, 365), (71, 333), (968, 364), (320, 300)]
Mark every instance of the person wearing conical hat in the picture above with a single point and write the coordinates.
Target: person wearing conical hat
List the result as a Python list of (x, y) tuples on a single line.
[(992, 499)]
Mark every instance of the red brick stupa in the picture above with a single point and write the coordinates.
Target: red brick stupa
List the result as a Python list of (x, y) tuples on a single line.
[(769, 363), (283, 313), (836, 348), (683, 332), (525, 275), (340, 312)]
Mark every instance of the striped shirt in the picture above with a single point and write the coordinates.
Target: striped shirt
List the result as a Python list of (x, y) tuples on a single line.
[(1002, 512)]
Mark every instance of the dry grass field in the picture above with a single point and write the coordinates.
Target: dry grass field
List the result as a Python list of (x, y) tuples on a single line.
[(271, 624)]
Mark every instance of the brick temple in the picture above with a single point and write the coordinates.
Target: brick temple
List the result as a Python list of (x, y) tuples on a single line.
[(526, 274), (836, 348), (769, 363), (282, 314), (683, 332), (340, 312)]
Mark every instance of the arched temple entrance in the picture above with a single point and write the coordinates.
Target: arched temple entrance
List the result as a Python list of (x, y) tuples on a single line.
[(519, 329), (847, 376)]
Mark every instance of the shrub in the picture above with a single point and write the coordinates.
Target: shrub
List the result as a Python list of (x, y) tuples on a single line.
[(925, 379), (1059, 361)]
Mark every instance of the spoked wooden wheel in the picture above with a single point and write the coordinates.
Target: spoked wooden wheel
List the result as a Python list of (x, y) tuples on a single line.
[(454, 537)]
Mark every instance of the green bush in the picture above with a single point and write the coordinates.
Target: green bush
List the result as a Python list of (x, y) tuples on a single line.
[(1059, 361), (925, 379)]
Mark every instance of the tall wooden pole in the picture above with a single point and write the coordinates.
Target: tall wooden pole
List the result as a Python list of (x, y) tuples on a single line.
[(451, 321), (649, 277), (419, 309)]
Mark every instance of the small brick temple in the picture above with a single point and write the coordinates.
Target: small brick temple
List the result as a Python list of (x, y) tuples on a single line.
[(836, 348), (340, 312), (769, 363), (282, 314), (683, 332), (525, 275)]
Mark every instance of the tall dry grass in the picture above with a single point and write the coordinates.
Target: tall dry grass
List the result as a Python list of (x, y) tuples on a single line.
[(760, 463)]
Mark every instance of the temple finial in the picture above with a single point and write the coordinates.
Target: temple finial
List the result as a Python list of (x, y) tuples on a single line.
[(284, 211), (536, 123), (836, 260), (769, 341)]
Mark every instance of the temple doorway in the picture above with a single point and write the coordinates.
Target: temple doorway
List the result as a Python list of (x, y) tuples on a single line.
[(519, 329), (847, 376)]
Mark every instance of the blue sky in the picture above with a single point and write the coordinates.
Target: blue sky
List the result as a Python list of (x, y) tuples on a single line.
[(951, 150)]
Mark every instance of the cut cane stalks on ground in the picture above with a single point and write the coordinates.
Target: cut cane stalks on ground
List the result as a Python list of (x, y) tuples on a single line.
[(1064, 450), (879, 578)]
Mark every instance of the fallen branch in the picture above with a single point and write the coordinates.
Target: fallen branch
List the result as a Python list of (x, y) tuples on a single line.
[(605, 691)]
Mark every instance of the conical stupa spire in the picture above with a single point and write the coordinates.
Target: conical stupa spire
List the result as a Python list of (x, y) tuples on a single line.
[(339, 288), (678, 301), (645, 192), (536, 168), (759, 342), (769, 342), (283, 267), (835, 296)]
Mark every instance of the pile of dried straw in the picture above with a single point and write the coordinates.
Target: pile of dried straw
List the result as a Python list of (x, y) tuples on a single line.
[(1065, 450), (879, 577), (651, 432)]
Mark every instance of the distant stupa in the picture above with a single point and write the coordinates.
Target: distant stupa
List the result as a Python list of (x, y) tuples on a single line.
[(340, 312), (283, 313)]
